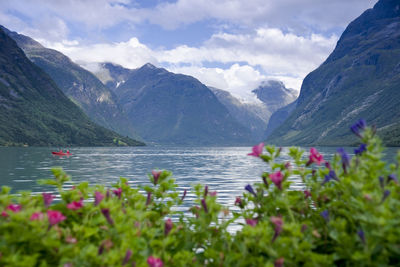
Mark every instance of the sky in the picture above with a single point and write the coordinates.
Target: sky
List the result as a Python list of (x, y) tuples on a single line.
[(233, 45)]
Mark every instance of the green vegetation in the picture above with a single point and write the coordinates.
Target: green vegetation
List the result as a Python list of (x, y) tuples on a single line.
[(346, 215)]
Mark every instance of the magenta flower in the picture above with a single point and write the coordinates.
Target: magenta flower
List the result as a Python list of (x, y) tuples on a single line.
[(239, 202), (168, 226), (154, 262), (315, 157), (4, 214), (98, 197), (278, 222), (277, 178), (75, 205), (156, 175), (279, 262), (47, 198), (37, 216), (118, 192), (213, 193), (307, 193), (106, 213), (128, 255), (251, 222), (55, 217), (257, 150), (14, 207)]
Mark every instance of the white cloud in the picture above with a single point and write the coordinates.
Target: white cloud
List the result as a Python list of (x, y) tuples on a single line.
[(248, 59)]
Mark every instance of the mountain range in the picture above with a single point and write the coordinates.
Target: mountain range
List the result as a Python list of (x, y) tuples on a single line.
[(35, 112), (360, 79), (80, 85)]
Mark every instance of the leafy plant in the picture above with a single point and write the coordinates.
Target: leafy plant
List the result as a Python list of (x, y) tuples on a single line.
[(346, 214)]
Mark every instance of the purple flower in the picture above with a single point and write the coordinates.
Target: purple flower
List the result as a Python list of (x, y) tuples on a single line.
[(325, 215), (239, 202), (345, 158), (47, 198), (361, 234), (168, 226), (98, 197), (393, 178), (251, 222), (382, 181), (184, 194), (330, 176), (37, 216), (118, 192), (148, 200), (307, 193), (156, 175), (257, 150), (106, 213), (204, 204), (386, 193), (205, 190), (359, 126), (362, 148), (128, 255), (250, 189), (154, 262)]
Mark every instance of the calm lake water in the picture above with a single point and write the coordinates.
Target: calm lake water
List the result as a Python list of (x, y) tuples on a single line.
[(226, 170)]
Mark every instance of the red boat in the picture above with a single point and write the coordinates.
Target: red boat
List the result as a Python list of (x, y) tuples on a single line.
[(61, 153)]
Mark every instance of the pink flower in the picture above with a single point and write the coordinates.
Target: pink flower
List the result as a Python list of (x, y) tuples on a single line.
[(168, 226), (14, 207), (156, 175), (118, 192), (154, 262), (37, 216), (75, 205), (277, 178), (315, 157), (213, 194), (47, 198), (278, 222), (257, 150), (98, 197), (4, 214), (55, 217), (251, 222)]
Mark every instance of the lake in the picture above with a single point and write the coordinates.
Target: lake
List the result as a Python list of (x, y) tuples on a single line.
[(226, 170)]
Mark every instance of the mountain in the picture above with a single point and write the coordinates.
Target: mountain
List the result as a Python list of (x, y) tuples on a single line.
[(171, 108), (35, 112), (279, 117), (81, 86), (360, 79), (253, 116), (275, 94)]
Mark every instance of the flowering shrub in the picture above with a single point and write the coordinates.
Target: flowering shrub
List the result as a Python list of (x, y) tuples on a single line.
[(347, 214)]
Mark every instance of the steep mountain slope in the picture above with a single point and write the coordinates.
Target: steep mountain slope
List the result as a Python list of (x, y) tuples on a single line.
[(360, 79), (279, 117), (81, 86), (34, 111), (172, 108), (253, 116)]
